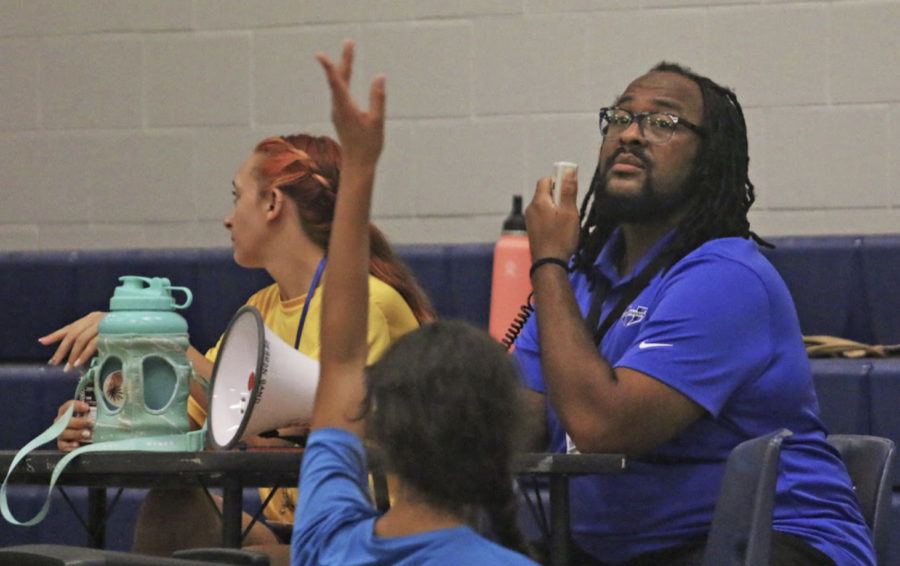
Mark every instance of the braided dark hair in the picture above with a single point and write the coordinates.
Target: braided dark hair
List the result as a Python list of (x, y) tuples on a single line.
[(442, 405), (722, 193)]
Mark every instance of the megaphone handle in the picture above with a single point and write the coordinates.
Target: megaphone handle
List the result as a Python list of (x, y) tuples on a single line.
[(298, 439)]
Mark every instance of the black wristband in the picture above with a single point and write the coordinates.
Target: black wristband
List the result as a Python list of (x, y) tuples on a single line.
[(544, 261)]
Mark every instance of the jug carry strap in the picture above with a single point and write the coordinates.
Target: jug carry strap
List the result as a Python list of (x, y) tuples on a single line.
[(190, 442)]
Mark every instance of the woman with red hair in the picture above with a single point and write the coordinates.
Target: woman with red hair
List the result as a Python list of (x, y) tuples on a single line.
[(284, 197)]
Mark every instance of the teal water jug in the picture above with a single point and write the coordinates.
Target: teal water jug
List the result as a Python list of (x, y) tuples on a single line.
[(141, 375), (140, 380)]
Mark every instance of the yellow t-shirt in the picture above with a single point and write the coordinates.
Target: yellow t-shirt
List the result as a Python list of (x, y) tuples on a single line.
[(389, 318)]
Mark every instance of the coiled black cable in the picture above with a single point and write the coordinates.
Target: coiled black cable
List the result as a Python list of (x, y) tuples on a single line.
[(515, 327)]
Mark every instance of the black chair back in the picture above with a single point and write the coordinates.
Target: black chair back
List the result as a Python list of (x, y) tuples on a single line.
[(870, 464), (741, 530)]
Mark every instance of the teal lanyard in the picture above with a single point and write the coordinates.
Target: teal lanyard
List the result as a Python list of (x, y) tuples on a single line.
[(193, 441), (309, 296)]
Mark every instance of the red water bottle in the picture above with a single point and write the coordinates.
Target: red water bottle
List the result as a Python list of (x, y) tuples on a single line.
[(510, 285)]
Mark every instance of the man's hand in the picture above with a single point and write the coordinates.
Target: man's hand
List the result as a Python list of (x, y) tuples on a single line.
[(553, 231)]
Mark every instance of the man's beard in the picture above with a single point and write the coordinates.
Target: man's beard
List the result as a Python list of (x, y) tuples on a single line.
[(648, 205)]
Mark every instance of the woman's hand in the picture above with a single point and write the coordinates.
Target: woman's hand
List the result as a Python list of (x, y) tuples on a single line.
[(79, 429), (78, 340), (360, 132)]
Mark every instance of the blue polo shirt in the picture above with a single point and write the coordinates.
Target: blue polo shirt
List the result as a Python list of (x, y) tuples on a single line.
[(720, 327)]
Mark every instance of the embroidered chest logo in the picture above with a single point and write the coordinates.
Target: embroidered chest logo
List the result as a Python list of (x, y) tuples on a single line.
[(634, 315)]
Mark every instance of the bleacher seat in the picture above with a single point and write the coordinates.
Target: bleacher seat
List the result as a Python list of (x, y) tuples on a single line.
[(880, 273), (31, 395), (843, 390), (884, 381), (842, 285), (62, 525)]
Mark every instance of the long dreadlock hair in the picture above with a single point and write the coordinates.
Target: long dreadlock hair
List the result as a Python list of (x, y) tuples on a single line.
[(722, 194)]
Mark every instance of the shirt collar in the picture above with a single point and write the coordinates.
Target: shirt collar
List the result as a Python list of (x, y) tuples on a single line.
[(607, 260)]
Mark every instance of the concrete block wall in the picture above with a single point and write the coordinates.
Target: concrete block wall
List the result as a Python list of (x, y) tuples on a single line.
[(122, 123)]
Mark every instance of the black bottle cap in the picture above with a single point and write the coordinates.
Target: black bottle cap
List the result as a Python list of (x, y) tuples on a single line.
[(515, 222)]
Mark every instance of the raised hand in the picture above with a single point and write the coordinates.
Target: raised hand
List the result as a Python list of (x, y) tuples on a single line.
[(360, 132), (342, 358)]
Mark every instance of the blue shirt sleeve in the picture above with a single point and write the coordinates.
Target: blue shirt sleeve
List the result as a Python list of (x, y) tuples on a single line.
[(708, 332), (333, 488)]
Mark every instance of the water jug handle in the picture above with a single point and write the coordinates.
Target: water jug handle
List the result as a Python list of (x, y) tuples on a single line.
[(86, 378), (189, 297)]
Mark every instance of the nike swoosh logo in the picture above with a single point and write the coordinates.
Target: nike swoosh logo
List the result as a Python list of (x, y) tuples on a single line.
[(644, 345)]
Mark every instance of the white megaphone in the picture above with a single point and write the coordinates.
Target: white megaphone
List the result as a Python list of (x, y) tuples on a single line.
[(259, 382)]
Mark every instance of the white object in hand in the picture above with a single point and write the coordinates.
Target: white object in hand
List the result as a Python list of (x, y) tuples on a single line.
[(560, 169)]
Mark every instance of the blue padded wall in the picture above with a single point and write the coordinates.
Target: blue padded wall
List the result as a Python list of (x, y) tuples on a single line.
[(842, 285), (38, 291), (456, 278), (824, 277), (843, 390), (44, 291)]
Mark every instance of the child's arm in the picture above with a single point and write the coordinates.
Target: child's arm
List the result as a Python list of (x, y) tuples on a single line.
[(346, 290)]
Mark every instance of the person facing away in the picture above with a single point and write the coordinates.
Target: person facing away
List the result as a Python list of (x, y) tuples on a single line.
[(440, 403), (284, 195), (662, 332)]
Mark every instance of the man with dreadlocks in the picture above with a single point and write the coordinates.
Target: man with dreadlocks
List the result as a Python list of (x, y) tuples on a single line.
[(691, 346)]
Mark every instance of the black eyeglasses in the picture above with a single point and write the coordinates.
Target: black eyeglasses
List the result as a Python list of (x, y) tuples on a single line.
[(656, 127)]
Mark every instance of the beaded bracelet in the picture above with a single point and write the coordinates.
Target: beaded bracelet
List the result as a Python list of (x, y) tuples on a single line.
[(544, 261)]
